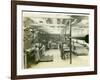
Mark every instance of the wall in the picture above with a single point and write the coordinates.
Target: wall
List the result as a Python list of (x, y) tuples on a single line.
[(5, 55)]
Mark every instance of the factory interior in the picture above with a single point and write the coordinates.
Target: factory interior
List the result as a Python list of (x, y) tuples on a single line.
[(55, 40)]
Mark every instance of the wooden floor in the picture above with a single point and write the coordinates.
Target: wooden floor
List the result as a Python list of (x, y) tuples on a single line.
[(58, 62)]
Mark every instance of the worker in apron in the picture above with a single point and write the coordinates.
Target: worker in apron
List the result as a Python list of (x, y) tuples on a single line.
[(37, 55)]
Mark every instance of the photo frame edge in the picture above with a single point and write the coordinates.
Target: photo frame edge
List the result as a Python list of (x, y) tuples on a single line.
[(14, 40)]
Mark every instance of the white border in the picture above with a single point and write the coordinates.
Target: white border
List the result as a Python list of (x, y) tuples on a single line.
[(21, 71)]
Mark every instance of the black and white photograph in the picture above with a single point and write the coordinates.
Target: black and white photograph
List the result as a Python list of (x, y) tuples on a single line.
[(52, 40)]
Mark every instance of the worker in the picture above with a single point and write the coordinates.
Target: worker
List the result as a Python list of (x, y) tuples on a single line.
[(37, 55)]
